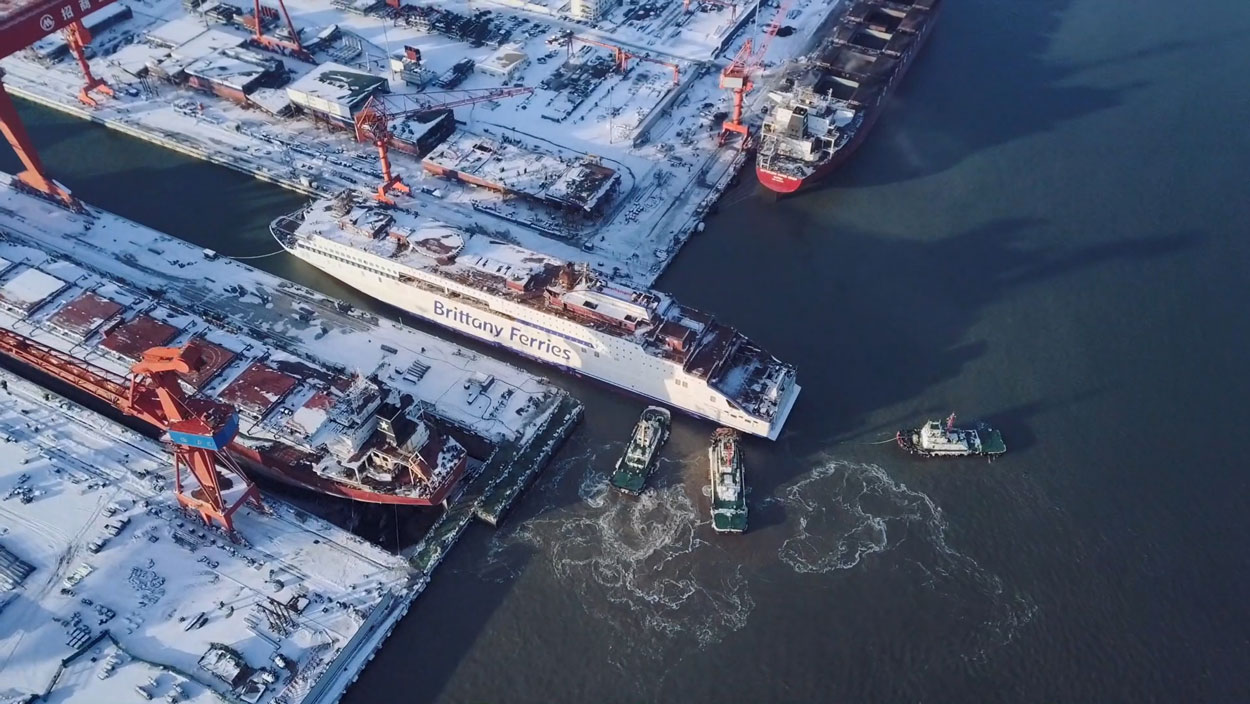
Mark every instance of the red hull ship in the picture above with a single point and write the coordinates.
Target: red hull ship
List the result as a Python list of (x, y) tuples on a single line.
[(829, 100), (302, 423)]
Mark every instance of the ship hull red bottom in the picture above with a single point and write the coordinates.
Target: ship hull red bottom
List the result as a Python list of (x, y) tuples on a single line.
[(252, 461)]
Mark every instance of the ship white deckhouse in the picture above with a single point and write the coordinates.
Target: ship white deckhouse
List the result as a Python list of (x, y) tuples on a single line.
[(553, 311)]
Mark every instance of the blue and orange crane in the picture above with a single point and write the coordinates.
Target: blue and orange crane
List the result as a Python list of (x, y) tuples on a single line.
[(199, 429)]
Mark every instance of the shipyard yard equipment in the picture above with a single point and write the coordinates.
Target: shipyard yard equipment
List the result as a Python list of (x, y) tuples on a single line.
[(733, 6), (291, 46), (737, 77), (22, 23), (621, 57), (199, 429), (374, 121)]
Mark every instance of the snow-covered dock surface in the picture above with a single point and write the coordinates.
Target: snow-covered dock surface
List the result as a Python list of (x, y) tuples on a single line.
[(657, 135), (134, 265), (145, 609)]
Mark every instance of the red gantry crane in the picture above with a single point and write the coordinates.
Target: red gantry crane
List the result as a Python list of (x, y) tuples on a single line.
[(22, 23), (293, 47), (200, 429), (621, 56), (737, 76), (373, 122)]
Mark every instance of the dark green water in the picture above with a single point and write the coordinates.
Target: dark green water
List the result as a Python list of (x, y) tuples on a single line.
[(1047, 230)]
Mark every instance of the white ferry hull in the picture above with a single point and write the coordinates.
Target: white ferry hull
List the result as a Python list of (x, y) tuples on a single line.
[(589, 353)]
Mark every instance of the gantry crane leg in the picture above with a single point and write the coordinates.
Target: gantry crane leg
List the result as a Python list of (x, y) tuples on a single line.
[(34, 176), (77, 37)]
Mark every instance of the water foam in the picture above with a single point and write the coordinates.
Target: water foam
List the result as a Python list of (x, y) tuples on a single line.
[(842, 512), (635, 561)]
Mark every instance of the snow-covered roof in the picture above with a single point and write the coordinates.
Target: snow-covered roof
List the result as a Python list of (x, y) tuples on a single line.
[(508, 167), (335, 83), (504, 60), (206, 43), (29, 288), (271, 100), (178, 32), (134, 58), (233, 67)]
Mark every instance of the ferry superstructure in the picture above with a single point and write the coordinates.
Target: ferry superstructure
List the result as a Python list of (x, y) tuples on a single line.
[(828, 101), (554, 311)]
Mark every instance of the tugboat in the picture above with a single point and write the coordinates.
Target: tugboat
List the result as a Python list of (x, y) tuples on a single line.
[(729, 501), (633, 468), (933, 440)]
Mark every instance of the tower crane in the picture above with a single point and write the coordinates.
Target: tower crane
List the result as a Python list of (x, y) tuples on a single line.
[(737, 76), (621, 57), (293, 47), (199, 429), (373, 122)]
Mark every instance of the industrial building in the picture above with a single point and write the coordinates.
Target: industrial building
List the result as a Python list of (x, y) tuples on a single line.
[(419, 134), (579, 185), (334, 92), (234, 73), (504, 63), (592, 10)]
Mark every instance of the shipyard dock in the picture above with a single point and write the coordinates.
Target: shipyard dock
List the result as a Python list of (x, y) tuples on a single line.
[(585, 130), (109, 592), (292, 612)]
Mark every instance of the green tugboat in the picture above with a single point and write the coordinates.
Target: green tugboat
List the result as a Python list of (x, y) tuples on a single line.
[(729, 501), (640, 455)]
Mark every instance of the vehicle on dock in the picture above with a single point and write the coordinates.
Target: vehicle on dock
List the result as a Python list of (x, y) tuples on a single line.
[(935, 439), (640, 456), (729, 500)]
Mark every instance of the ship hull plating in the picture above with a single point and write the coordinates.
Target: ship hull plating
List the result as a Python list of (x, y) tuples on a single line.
[(577, 349)]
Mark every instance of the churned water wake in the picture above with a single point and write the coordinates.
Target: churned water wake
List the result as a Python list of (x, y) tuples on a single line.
[(637, 563), (843, 512)]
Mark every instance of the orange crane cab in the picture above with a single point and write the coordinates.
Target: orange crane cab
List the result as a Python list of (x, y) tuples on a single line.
[(373, 122)]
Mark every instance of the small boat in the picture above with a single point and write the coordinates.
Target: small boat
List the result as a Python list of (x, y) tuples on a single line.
[(935, 440), (729, 501), (633, 468)]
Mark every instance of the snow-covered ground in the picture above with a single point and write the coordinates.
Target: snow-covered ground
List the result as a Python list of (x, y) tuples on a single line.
[(659, 136), (165, 587)]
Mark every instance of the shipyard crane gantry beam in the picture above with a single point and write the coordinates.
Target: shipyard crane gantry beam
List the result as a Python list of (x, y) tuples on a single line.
[(373, 122), (737, 76), (200, 429)]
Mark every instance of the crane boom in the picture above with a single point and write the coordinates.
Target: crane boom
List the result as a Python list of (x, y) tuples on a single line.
[(373, 122)]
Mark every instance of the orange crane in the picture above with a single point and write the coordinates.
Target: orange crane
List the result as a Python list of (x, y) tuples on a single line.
[(736, 77), (373, 122), (733, 6), (199, 429), (77, 38), (621, 57), (294, 47)]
